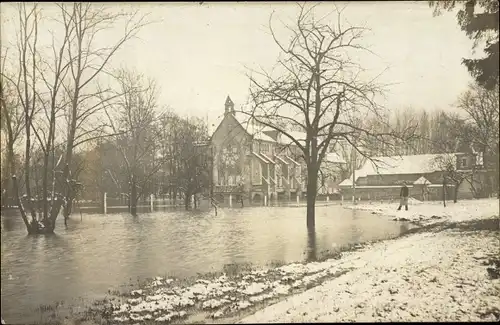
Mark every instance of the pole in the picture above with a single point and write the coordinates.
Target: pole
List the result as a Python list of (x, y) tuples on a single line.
[(354, 175), (230, 200), (151, 202), (105, 203), (265, 200)]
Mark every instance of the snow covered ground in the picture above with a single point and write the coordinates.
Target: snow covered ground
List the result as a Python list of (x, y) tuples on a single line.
[(426, 213), (423, 277), (434, 276)]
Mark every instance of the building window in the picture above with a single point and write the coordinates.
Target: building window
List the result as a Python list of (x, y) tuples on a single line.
[(464, 162)]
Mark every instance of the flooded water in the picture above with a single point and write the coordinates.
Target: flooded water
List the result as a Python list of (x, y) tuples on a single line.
[(100, 252)]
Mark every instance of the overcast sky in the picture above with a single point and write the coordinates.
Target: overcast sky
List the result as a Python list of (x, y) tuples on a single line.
[(198, 53)]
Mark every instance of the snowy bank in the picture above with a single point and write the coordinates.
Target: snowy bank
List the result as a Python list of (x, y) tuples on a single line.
[(430, 212), (440, 276), (167, 300)]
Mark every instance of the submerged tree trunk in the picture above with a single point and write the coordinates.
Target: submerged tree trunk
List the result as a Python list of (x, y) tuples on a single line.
[(20, 204), (186, 200), (311, 245), (133, 197), (312, 182), (8, 193)]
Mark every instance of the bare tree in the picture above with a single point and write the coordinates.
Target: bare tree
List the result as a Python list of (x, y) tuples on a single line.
[(192, 157), (62, 88), (482, 117), (138, 139), (319, 90), (12, 123), (448, 165), (25, 86), (87, 63)]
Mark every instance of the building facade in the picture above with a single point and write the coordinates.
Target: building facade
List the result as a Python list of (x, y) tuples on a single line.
[(255, 162), (425, 175)]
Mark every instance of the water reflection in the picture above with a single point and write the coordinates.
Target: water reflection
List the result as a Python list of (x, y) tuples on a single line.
[(311, 245), (355, 229), (104, 251), (8, 223)]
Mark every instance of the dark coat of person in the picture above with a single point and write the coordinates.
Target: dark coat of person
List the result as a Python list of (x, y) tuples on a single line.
[(404, 191)]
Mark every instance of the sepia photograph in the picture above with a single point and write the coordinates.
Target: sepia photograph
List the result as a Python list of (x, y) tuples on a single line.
[(249, 162)]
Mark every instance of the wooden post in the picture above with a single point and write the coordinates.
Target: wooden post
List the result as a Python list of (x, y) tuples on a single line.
[(298, 199), (105, 203), (327, 199), (354, 175), (230, 200), (151, 198), (342, 200), (265, 200)]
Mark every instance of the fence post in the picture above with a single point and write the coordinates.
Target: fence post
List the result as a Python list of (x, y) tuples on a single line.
[(230, 200), (265, 200), (151, 201), (105, 203)]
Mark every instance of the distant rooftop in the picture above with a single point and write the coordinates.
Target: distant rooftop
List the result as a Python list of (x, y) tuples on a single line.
[(397, 165)]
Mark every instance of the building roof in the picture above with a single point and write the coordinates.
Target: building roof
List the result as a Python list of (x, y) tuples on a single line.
[(253, 128), (398, 165), (422, 181), (260, 157), (297, 135), (333, 157), (282, 160), (267, 157)]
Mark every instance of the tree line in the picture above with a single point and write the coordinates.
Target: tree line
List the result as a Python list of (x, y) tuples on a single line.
[(65, 110)]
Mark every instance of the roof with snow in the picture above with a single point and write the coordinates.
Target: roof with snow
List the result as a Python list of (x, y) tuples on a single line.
[(422, 181), (398, 165), (333, 157), (297, 135)]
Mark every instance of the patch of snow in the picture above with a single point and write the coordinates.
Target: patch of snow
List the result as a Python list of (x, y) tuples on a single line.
[(123, 308), (282, 289), (218, 314), (243, 304), (140, 317), (262, 297), (134, 301), (431, 212), (214, 303), (136, 292), (121, 319), (254, 288)]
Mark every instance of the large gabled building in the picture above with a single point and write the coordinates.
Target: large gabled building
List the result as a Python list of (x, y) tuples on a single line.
[(256, 161)]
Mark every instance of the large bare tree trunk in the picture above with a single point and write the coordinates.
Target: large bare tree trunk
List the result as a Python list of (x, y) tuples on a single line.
[(312, 186), (20, 204)]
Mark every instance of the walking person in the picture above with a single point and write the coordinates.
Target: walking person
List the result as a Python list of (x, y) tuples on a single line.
[(404, 197)]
